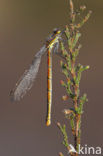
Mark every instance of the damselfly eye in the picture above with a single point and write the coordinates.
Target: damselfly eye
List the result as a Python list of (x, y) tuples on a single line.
[(55, 30)]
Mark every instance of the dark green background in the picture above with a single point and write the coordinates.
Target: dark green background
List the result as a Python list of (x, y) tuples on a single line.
[(24, 25)]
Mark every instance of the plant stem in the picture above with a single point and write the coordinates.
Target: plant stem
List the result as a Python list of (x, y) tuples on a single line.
[(73, 72)]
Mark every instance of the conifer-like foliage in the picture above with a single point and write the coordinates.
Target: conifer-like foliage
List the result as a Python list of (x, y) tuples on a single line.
[(73, 72)]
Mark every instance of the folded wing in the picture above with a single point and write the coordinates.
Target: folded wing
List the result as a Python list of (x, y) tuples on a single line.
[(27, 79)]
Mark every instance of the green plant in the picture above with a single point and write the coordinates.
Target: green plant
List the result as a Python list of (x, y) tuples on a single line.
[(73, 72)]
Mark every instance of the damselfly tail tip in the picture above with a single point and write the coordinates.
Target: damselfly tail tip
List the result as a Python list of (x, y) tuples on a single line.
[(48, 123)]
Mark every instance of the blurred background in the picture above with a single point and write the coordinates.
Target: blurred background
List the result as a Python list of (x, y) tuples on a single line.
[(24, 26)]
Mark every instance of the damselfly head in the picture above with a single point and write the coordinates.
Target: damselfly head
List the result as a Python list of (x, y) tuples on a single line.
[(55, 30), (53, 36)]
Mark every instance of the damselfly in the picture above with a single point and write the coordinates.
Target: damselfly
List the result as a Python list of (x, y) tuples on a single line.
[(26, 81)]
